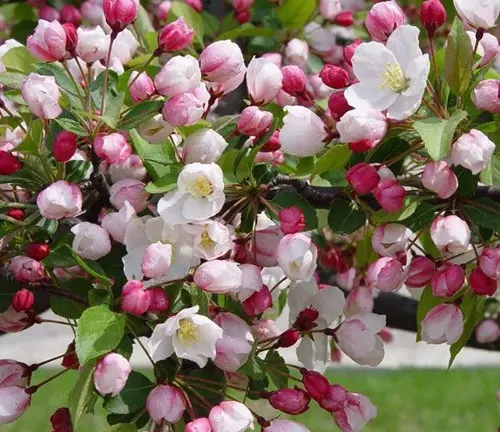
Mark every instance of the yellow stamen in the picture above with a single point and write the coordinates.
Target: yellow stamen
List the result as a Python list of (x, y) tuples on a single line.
[(206, 242), (187, 332), (201, 188), (393, 78)]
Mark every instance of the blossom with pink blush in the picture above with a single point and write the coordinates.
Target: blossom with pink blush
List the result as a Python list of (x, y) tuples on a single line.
[(292, 220), (221, 61), (357, 412), (253, 121), (478, 14), (282, 425), (92, 45), (447, 280), (90, 241), (13, 322), (490, 262), (290, 401), (48, 43), (420, 273), (383, 18), (276, 58), (129, 190), (439, 178), (473, 151), (42, 94), (266, 244), (13, 373), (160, 302), (294, 80), (265, 329), (450, 234), (120, 13), (13, 402), (488, 331), (385, 274), (201, 424), (258, 302), (112, 148), (166, 403), (264, 80), (297, 52), (390, 195), (230, 416), (359, 300), (142, 88), (26, 269), (486, 96), (136, 300), (111, 374), (481, 284), (363, 177), (389, 240), (442, 324), (218, 276), (179, 75), (297, 256), (338, 105), (130, 168), (488, 47), (186, 108), (362, 128), (156, 260), (175, 36)]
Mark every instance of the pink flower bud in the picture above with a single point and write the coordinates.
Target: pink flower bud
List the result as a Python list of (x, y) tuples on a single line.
[(60, 200), (390, 239), (359, 300), (230, 416), (159, 301), (156, 260), (486, 96), (258, 302), (294, 80), (335, 399), (357, 412), (163, 9), (473, 151), (288, 338), (203, 146), (344, 19), (443, 323), (490, 262), (71, 38), (390, 195), (481, 284), (48, 13), (432, 15), (242, 5), (218, 276), (362, 128), (129, 190), (180, 74), (13, 402), (61, 420), (131, 168), (197, 5), (363, 178), (290, 401), (13, 373), (265, 329), (448, 279), (64, 147), (272, 144), (26, 269), (330, 8), (420, 273), (71, 15), (292, 220), (186, 108), (48, 43), (111, 374), (488, 331), (135, 298), (41, 93), (23, 300), (385, 274), (175, 36), (9, 164), (316, 384), (13, 322), (488, 48), (338, 105), (91, 241), (142, 88), (334, 76), (450, 234), (350, 49), (439, 178), (282, 425), (166, 402), (120, 13), (201, 424), (297, 52), (383, 19), (253, 121), (264, 80), (112, 148), (221, 61), (17, 214), (93, 44)]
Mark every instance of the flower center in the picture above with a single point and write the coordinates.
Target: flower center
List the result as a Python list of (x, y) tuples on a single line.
[(187, 332), (394, 79), (201, 188), (206, 242)]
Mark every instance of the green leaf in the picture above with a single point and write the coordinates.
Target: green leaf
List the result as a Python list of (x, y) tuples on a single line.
[(19, 59), (185, 131), (491, 175), (364, 250), (192, 18), (458, 58), (345, 217), (143, 26), (247, 30), (32, 141), (140, 113), (437, 134), (484, 213), (71, 125), (167, 182), (467, 182), (81, 393), (335, 158), (132, 397), (99, 331), (122, 427), (253, 368), (295, 14), (426, 303), (288, 199), (66, 307), (90, 267), (227, 162), (274, 365), (409, 207), (423, 215), (12, 79)]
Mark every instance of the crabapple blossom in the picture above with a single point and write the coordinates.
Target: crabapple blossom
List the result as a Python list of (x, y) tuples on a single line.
[(489, 262), (180, 74), (131, 191), (64, 147), (357, 412), (338, 105), (390, 195), (166, 402), (136, 299), (253, 121), (111, 374), (303, 132), (156, 130), (115, 223), (294, 80), (330, 8), (60, 200), (188, 335), (23, 300), (485, 96), (334, 76), (297, 52), (292, 220), (297, 256), (204, 146), (251, 281), (385, 274), (221, 61), (112, 148), (12, 321), (9, 164), (156, 260), (383, 19), (120, 13), (362, 128), (487, 331), (92, 44), (335, 398), (140, 88), (388, 240), (163, 9), (130, 168), (159, 301), (439, 178), (363, 177), (258, 302), (442, 324), (199, 195), (210, 239), (478, 14), (48, 43), (290, 401), (482, 284), (186, 108), (317, 88), (432, 15), (450, 234), (420, 272), (359, 300), (13, 402), (124, 48), (218, 276), (230, 416), (13, 373), (264, 329), (48, 13), (279, 425), (70, 14), (472, 151), (391, 77), (488, 47), (26, 269), (349, 51), (91, 241), (201, 424), (175, 36), (264, 80), (447, 280), (42, 94)]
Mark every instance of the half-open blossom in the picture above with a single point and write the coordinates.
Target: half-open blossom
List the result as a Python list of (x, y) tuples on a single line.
[(490, 262), (12, 321), (111, 374), (13, 373), (91, 241), (362, 128), (488, 47), (486, 96), (186, 108), (442, 324), (42, 94), (391, 77), (131, 191), (439, 178), (204, 146), (450, 234), (201, 424), (390, 195), (258, 302), (385, 274), (13, 402), (448, 279), (26, 269), (210, 239), (388, 240), (92, 45), (179, 75), (113, 148), (264, 80), (166, 403), (383, 19), (48, 43), (477, 13), (473, 151), (357, 412), (141, 88), (130, 168), (359, 300), (230, 416), (297, 256), (253, 121), (60, 200), (116, 223), (420, 272), (218, 276), (487, 331), (188, 335)]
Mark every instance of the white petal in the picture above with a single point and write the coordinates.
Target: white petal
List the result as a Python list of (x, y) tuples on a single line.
[(370, 94), (370, 60), (403, 42)]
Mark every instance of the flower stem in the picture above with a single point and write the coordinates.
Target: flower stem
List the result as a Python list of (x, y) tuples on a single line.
[(106, 72)]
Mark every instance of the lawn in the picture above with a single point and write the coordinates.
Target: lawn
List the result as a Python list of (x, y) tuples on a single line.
[(408, 400)]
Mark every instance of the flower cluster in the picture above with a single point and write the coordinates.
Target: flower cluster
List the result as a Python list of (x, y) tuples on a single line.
[(349, 168)]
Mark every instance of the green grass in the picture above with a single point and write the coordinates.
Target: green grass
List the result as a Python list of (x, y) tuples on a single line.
[(408, 400)]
